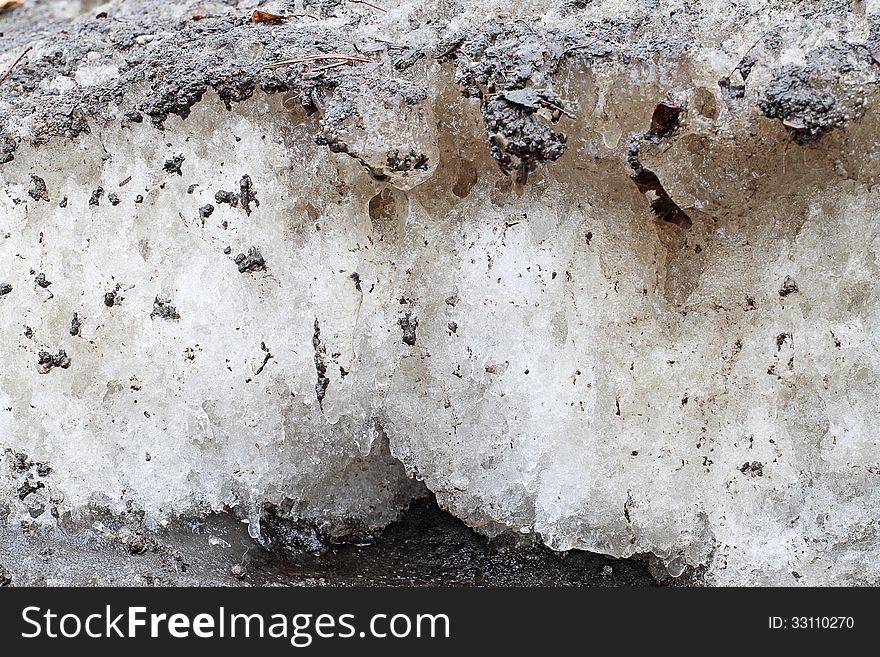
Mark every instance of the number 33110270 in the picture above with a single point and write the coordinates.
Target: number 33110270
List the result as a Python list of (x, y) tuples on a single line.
[(811, 623)]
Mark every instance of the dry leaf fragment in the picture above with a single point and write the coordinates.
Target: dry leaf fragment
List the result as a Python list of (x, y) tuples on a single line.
[(661, 203), (665, 120), (7, 5), (265, 17)]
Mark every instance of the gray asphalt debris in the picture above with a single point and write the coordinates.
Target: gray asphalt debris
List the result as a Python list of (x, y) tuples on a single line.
[(251, 262), (499, 64), (47, 361), (519, 140), (814, 98), (508, 66)]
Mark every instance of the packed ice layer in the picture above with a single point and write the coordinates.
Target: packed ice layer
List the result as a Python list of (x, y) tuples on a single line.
[(585, 280), (194, 380)]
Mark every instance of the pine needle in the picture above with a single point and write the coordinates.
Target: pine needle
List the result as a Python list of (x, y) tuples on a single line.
[(14, 64)]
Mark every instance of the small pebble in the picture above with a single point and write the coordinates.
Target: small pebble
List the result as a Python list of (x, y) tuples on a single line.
[(137, 545)]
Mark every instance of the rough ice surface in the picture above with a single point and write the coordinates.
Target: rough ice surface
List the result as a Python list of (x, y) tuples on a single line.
[(585, 279)]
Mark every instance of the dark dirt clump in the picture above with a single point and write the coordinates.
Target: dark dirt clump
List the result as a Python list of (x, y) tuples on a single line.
[(38, 190), (174, 165), (230, 198), (789, 286), (320, 365), (518, 140), (248, 194), (27, 487), (46, 361), (164, 310), (753, 469), (408, 325)]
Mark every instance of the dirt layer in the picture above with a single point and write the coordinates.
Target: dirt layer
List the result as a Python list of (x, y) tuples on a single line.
[(426, 547)]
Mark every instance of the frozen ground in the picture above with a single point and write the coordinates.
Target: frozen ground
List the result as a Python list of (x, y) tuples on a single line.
[(426, 547), (601, 274)]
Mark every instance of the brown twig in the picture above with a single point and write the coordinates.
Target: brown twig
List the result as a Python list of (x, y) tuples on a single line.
[(327, 67), (560, 109), (448, 51), (312, 58), (14, 64)]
